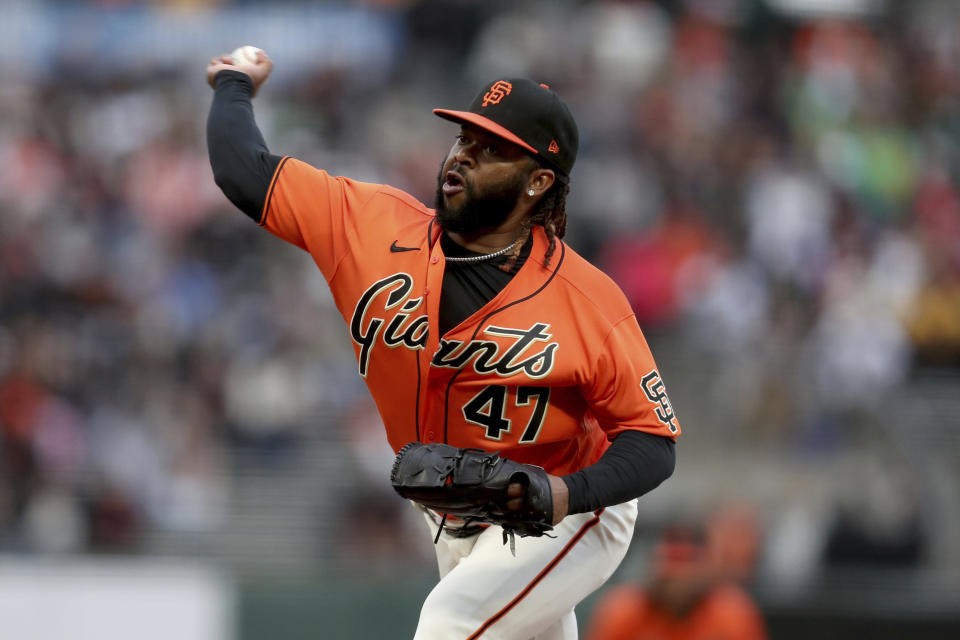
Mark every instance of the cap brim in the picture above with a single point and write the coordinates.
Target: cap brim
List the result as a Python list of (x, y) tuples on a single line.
[(485, 124)]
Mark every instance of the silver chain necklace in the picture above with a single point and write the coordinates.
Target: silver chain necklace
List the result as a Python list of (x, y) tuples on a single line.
[(485, 256)]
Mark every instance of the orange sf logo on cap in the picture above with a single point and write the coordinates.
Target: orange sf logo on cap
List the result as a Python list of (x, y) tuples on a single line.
[(498, 92)]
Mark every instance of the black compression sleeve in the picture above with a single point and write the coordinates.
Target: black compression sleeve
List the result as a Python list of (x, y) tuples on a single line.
[(635, 463), (242, 164)]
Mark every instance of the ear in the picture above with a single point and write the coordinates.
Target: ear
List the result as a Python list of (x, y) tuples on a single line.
[(540, 181)]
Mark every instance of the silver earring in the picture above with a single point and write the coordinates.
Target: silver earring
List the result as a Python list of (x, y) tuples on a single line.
[(530, 192)]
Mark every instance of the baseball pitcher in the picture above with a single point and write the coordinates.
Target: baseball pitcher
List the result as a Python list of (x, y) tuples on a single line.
[(513, 381)]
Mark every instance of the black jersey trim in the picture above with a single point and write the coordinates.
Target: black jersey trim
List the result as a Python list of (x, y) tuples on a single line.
[(446, 398), (416, 402), (273, 184)]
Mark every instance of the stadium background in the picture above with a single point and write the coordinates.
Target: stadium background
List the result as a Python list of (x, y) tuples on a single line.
[(773, 183)]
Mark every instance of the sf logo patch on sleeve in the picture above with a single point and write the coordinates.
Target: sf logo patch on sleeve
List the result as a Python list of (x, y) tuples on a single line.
[(657, 394)]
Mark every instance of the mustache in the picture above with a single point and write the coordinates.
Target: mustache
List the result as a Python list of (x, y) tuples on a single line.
[(455, 167)]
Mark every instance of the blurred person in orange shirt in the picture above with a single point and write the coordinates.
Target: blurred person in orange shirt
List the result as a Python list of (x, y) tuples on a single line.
[(693, 592)]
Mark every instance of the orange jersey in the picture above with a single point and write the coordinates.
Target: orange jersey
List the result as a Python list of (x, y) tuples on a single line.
[(726, 613), (545, 373)]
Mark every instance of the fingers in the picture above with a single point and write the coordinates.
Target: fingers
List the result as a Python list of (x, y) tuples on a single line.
[(216, 65), (219, 62), (227, 59), (213, 69), (258, 70), (263, 60), (515, 493)]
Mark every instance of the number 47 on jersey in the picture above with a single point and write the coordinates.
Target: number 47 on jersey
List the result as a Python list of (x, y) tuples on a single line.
[(488, 409)]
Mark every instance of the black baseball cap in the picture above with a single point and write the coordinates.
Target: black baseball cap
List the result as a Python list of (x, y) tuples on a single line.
[(528, 114)]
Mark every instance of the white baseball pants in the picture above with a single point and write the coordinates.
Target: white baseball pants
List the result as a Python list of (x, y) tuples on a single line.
[(485, 592)]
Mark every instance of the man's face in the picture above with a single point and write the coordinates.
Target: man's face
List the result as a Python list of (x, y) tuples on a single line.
[(480, 182)]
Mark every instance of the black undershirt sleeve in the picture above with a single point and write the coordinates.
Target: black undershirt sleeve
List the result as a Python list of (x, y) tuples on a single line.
[(635, 463), (242, 164)]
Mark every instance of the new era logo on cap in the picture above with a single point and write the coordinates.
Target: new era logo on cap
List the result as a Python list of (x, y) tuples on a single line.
[(527, 114)]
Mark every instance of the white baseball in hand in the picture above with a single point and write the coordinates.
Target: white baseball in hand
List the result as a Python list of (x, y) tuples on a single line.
[(246, 53)]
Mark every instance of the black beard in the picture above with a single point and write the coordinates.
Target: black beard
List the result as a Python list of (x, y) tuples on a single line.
[(480, 210)]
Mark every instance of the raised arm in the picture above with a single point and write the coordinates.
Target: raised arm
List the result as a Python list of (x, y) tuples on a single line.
[(242, 164)]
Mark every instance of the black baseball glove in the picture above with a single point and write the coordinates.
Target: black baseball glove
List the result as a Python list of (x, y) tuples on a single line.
[(472, 484)]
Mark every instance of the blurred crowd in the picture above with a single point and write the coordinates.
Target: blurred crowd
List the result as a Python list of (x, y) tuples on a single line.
[(776, 192)]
